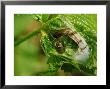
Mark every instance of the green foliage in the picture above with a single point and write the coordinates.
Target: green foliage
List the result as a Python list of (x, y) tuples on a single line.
[(86, 25)]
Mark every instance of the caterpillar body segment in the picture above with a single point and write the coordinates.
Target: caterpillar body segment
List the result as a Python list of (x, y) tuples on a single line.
[(82, 54)]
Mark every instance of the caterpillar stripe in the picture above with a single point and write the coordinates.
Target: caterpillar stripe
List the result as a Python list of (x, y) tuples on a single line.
[(82, 54)]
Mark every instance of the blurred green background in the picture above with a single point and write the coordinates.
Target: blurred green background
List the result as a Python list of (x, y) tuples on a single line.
[(28, 56)]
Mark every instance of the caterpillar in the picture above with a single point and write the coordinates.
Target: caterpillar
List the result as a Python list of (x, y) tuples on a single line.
[(82, 53), (59, 46)]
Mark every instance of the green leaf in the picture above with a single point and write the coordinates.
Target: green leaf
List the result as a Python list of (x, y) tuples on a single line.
[(86, 26), (45, 17)]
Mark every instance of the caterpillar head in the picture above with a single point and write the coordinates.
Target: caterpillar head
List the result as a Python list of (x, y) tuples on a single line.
[(59, 47)]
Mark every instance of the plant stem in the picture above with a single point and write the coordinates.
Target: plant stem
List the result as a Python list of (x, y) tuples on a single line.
[(18, 42)]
